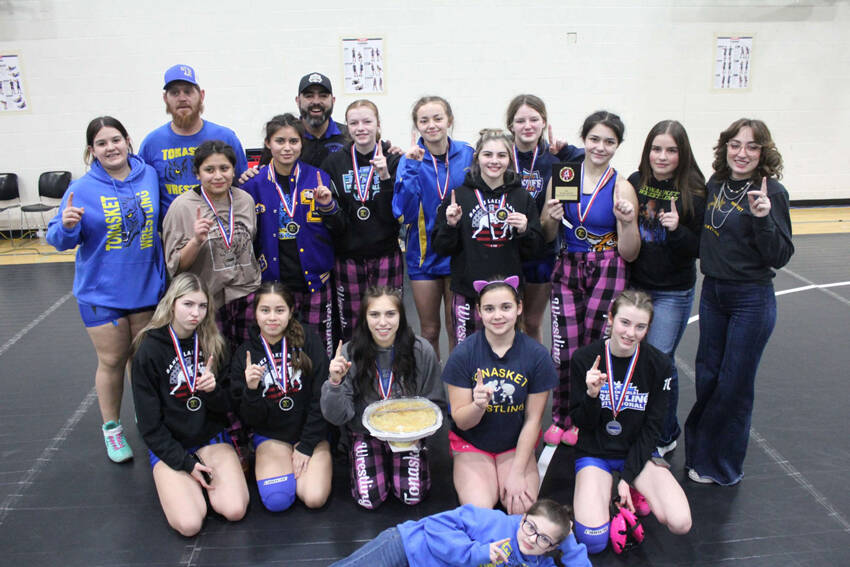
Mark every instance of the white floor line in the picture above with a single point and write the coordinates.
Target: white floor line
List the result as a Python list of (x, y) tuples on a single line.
[(19, 335), (12, 499), (783, 463)]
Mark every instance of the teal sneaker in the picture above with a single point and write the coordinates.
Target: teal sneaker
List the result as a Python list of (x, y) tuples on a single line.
[(116, 444)]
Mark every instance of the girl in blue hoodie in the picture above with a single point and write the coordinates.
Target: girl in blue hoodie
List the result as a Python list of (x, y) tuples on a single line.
[(111, 214), (435, 165), (477, 536)]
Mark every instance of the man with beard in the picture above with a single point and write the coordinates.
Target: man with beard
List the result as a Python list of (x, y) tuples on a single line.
[(170, 148), (315, 102)]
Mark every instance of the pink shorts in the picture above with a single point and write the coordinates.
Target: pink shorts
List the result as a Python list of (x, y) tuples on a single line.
[(459, 445)]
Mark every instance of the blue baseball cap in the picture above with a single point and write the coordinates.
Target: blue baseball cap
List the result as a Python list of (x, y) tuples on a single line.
[(180, 73)]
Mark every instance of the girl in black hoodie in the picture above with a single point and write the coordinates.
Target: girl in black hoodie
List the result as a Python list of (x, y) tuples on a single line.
[(488, 226), (181, 409)]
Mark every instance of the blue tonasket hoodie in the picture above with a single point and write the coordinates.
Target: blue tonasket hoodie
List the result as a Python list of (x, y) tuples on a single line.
[(119, 260), (463, 536), (416, 200)]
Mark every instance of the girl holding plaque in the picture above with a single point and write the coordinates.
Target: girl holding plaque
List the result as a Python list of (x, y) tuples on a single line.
[(598, 235), (208, 231), (362, 178), (181, 408), (488, 225), (111, 214), (498, 382), (435, 165), (671, 205), (533, 158), (619, 399), (276, 382), (294, 235), (383, 360), (745, 237)]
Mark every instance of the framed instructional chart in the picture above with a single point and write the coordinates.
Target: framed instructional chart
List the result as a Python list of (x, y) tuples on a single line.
[(12, 96), (363, 65), (732, 62)]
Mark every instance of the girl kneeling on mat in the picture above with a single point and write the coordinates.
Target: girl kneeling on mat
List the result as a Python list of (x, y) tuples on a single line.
[(181, 409), (383, 360), (618, 432), (477, 536), (498, 381), (276, 383)]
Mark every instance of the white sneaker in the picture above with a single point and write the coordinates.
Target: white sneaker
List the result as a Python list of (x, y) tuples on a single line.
[(664, 449), (695, 476)]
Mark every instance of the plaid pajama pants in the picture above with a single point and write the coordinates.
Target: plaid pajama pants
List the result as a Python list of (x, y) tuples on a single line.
[(465, 317), (353, 277), (583, 286), (315, 311), (375, 469), (235, 320)]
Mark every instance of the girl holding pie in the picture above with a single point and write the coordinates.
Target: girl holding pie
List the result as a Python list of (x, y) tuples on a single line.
[(383, 360)]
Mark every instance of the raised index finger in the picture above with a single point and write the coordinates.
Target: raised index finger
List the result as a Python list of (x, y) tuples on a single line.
[(596, 363), (198, 213), (339, 350), (764, 186), (551, 136), (673, 206), (247, 359), (319, 179), (70, 199), (453, 197), (209, 363), (479, 378)]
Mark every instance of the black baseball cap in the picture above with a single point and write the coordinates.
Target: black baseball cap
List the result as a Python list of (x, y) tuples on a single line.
[(314, 79)]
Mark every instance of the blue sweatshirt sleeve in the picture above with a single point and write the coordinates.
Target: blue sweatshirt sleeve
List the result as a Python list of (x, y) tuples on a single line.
[(574, 553), (447, 537), (57, 235), (407, 193)]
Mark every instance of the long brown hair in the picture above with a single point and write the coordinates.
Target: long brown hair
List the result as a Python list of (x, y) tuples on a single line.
[(688, 178), (770, 160), (209, 338)]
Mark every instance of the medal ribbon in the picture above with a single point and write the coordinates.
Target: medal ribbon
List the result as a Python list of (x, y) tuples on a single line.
[(533, 159), (606, 176), (385, 392), (190, 380), (225, 235), (629, 374), (361, 194), (279, 374), (484, 207), (445, 189), (293, 183)]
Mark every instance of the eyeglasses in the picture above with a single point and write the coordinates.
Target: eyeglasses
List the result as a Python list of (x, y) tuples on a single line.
[(751, 147), (530, 529)]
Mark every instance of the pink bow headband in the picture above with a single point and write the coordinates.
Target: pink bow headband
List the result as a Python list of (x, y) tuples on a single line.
[(512, 281)]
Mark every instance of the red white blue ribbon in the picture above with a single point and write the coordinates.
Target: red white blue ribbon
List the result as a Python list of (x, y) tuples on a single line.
[(615, 409), (293, 184), (190, 379), (606, 176), (279, 375), (362, 194), (227, 236), (441, 192)]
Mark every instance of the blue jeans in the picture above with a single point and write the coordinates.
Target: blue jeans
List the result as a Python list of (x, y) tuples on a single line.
[(386, 550), (735, 322), (669, 320)]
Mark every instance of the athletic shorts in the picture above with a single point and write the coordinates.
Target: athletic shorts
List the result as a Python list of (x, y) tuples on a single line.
[(607, 465), (220, 438), (97, 315), (459, 445)]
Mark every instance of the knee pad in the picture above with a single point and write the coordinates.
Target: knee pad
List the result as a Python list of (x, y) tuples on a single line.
[(277, 493), (595, 539)]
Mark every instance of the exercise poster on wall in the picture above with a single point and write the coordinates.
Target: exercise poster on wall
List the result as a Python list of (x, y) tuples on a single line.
[(733, 55), (12, 97), (363, 65)]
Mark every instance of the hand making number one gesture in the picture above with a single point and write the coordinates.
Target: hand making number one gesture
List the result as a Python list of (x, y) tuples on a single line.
[(481, 394), (670, 220), (594, 379), (759, 201), (453, 211), (379, 162), (416, 151), (338, 367), (322, 194), (71, 215), (253, 372)]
